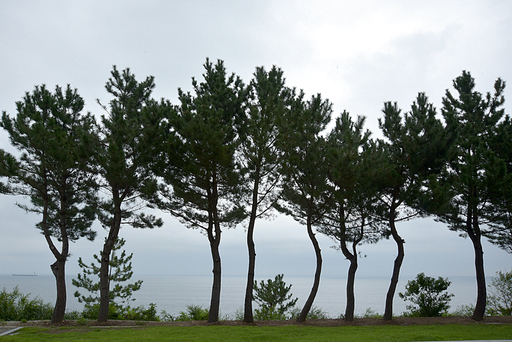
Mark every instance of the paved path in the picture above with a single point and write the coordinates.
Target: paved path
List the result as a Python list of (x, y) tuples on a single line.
[(6, 330)]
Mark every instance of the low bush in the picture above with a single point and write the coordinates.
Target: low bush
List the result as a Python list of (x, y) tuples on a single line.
[(499, 300), (16, 306), (193, 313), (139, 313), (314, 313), (429, 296)]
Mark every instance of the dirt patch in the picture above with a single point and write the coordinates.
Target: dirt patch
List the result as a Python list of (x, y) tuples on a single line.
[(312, 322)]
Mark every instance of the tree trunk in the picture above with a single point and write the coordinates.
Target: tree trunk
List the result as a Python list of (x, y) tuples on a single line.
[(58, 270), (105, 264), (248, 316), (481, 299), (316, 283), (388, 312), (213, 316), (351, 299), (105, 281)]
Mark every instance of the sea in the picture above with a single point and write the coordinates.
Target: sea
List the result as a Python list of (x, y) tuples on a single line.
[(174, 293)]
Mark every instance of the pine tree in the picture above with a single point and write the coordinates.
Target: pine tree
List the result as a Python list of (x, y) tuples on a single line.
[(55, 170), (355, 215), (306, 194), (203, 183), (416, 148), (129, 143), (476, 171), (261, 157), (120, 271)]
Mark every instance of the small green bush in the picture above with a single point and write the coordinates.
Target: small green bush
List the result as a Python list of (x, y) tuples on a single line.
[(140, 313), (116, 312), (314, 313), (274, 299), (499, 300), (15, 306), (370, 313), (463, 311), (166, 317), (194, 313), (429, 296)]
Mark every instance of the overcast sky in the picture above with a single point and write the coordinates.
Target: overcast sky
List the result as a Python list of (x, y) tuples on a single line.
[(358, 54)]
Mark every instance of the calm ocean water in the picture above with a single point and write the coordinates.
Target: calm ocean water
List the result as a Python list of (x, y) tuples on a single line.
[(174, 293)]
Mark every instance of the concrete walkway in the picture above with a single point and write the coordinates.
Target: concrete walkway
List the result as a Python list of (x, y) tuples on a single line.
[(6, 330)]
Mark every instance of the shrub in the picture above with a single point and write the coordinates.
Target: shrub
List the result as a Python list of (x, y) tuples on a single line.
[(194, 313), (499, 301), (15, 306), (314, 313), (274, 299), (428, 295), (370, 313), (463, 310), (117, 312)]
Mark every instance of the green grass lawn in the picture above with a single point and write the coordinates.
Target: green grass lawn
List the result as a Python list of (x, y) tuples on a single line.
[(450, 332)]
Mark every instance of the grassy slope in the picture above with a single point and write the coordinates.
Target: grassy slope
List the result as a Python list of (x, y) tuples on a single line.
[(255, 333)]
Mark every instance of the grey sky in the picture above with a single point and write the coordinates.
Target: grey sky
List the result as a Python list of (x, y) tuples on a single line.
[(358, 54)]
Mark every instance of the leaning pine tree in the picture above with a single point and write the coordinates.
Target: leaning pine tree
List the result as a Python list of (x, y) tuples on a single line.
[(306, 194), (56, 141), (416, 147), (261, 158), (129, 141)]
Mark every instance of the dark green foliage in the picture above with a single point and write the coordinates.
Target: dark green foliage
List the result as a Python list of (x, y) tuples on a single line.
[(415, 150), (129, 141), (261, 157), (474, 177), (120, 271), (8, 167), (274, 299), (306, 194), (139, 313), (15, 306), (203, 179), (314, 313), (500, 222), (428, 295), (355, 215), (56, 170), (56, 141), (193, 313), (499, 301)]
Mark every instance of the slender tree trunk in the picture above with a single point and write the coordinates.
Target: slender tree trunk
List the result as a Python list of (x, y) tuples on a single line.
[(214, 233), (248, 316), (388, 311), (316, 283), (105, 265), (351, 298), (213, 316), (58, 270), (481, 299)]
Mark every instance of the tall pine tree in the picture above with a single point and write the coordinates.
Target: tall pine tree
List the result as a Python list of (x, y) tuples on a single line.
[(261, 157), (416, 147), (476, 171), (55, 170), (129, 147), (203, 183), (355, 215), (306, 194)]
